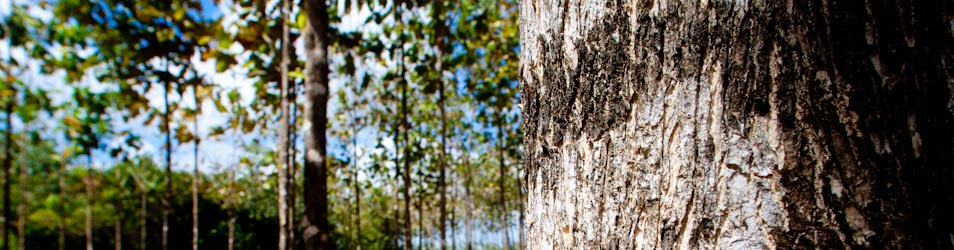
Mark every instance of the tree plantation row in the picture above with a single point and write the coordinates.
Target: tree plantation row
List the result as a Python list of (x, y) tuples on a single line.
[(255, 124)]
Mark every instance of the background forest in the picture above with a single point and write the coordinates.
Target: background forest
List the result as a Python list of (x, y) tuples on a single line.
[(158, 124)]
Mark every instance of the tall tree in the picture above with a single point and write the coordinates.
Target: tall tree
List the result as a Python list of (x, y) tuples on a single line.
[(397, 125), (7, 162), (195, 179), (292, 165), (86, 126), (165, 126), (199, 92), (61, 209), (24, 190), (118, 203), (406, 147), (468, 214), (713, 124), (438, 20), (317, 229), (9, 30), (145, 181), (501, 147), (128, 36), (350, 114), (284, 167)]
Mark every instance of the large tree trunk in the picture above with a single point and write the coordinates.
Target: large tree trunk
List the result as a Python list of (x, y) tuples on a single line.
[(283, 127), (736, 124), (317, 230)]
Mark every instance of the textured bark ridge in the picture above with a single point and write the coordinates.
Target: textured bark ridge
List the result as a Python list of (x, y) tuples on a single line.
[(738, 124)]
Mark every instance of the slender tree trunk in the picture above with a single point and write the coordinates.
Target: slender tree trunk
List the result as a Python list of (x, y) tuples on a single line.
[(358, 213), (24, 193), (230, 212), (357, 208), (420, 211), (292, 169), (501, 137), (283, 135), (738, 124), (61, 223), (90, 201), (441, 182), (231, 229), (520, 209), (453, 213), (357, 184), (195, 174), (317, 229), (143, 206), (397, 176), (406, 145), (167, 198), (407, 170), (468, 211), (7, 157), (118, 224)]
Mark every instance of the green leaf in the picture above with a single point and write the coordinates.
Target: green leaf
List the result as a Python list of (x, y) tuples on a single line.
[(296, 74)]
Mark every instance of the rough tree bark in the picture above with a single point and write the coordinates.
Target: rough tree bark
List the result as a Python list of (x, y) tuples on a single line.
[(738, 124), (317, 230)]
